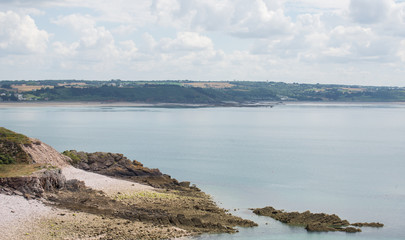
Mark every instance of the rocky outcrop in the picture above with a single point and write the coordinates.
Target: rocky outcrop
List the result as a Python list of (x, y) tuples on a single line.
[(33, 186), (42, 153), (117, 165), (365, 224), (11, 150), (313, 222), (18, 148)]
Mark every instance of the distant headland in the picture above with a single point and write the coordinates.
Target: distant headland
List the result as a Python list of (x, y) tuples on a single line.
[(192, 93)]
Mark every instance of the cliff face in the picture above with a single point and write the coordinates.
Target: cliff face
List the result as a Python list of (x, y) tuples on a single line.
[(18, 148), (35, 185), (42, 153)]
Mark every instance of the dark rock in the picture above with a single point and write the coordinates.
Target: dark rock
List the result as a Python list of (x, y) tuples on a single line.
[(36, 184), (351, 230), (372, 224), (314, 222), (185, 184), (75, 185), (117, 165), (318, 227)]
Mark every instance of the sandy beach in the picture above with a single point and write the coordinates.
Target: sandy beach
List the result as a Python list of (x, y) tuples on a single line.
[(95, 104), (184, 105), (34, 219)]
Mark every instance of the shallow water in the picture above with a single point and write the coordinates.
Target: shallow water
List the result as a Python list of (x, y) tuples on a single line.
[(346, 159)]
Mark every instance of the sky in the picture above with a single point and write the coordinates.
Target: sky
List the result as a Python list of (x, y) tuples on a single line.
[(360, 42)]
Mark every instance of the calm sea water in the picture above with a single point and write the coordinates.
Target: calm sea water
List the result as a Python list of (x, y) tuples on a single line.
[(332, 158)]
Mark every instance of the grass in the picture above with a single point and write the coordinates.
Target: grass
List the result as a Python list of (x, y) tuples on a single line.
[(28, 88), (10, 136), (74, 157), (18, 170)]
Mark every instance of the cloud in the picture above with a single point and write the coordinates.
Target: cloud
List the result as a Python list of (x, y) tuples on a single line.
[(20, 35), (186, 41), (209, 39), (369, 11)]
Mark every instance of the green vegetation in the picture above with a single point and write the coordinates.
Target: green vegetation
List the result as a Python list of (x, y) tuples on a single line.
[(11, 151), (12, 137), (74, 157), (193, 92), (6, 159)]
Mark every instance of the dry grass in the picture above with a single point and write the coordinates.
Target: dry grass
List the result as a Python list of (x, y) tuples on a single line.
[(209, 84), (354, 89), (27, 88), (13, 137), (73, 85), (18, 170)]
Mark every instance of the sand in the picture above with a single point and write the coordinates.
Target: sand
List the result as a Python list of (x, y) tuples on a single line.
[(21, 218), (18, 214), (95, 104), (110, 186)]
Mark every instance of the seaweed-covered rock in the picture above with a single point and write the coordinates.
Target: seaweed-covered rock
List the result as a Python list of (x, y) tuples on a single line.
[(313, 222)]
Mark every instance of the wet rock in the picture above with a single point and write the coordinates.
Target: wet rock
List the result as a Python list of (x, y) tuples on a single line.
[(313, 222), (372, 224), (75, 185), (351, 230)]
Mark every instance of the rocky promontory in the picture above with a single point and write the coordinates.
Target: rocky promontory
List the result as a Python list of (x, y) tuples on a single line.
[(99, 196), (313, 222), (117, 165)]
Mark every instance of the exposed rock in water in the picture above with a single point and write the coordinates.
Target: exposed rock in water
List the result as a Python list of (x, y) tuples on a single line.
[(372, 224), (191, 211), (313, 222), (34, 185), (117, 165)]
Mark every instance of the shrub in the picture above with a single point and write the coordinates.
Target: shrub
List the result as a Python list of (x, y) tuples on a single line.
[(74, 157), (6, 159)]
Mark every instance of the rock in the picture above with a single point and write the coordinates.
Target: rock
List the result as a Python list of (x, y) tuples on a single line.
[(36, 184), (185, 184), (75, 185), (314, 222), (351, 230), (372, 224), (318, 227), (117, 165)]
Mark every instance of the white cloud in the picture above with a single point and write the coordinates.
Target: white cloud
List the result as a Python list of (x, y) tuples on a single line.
[(186, 41), (19, 34), (205, 39), (65, 49), (370, 11)]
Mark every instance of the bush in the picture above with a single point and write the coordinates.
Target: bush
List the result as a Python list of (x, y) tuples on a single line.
[(74, 157), (6, 159)]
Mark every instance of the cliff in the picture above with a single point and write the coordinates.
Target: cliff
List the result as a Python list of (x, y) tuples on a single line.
[(17, 148)]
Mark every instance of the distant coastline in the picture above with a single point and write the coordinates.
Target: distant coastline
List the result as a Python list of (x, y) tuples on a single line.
[(129, 104), (178, 105)]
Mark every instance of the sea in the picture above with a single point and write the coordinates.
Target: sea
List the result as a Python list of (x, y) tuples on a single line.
[(344, 159)]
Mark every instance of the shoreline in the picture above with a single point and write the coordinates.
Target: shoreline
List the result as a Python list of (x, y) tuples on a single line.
[(179, 105)]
